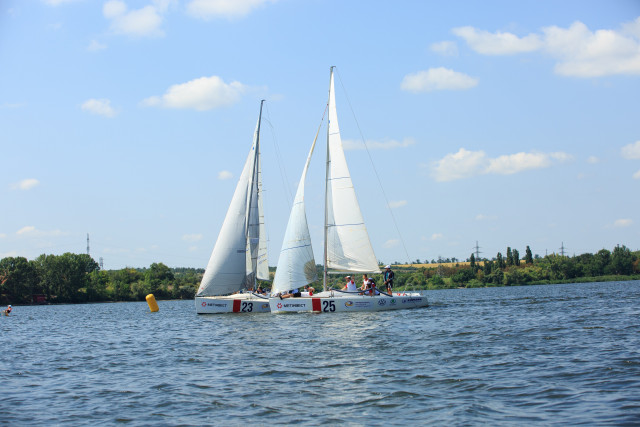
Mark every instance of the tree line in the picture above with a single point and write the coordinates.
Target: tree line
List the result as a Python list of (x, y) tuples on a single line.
[(75, 278)]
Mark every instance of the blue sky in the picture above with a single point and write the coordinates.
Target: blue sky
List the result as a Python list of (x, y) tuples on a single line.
[(507, 123)]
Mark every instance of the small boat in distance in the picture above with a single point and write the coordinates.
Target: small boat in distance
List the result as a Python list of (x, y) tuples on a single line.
[(347, 247), (239, 257)]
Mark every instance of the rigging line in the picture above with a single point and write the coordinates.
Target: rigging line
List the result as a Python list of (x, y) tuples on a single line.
[(393, 218), (283, 172)]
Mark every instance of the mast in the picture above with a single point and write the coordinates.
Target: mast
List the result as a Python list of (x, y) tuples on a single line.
[(253, 243), (326, 188)]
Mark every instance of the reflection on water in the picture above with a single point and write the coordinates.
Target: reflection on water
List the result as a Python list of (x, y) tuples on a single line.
[(542, 354)]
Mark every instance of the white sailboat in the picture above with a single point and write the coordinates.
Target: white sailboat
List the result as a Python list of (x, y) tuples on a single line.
[(347, 247), (239, 256)]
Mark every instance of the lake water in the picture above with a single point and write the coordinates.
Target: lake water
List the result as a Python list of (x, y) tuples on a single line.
[(547, 355)]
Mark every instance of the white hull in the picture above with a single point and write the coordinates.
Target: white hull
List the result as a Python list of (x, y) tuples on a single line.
[(335, 302), (238, 303)]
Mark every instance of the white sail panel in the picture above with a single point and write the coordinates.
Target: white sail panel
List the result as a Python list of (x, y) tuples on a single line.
[(263, 261), (348, 244), (225, 272), (296, 264)]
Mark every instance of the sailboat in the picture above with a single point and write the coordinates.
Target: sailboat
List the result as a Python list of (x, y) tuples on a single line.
[(347, 247), (239, 257)]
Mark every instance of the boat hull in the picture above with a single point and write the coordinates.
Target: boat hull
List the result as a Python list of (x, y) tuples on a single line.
[(239, 303), (348, 303)]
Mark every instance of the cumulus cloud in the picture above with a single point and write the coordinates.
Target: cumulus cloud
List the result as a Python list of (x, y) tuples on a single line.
[(204, 93), (465, 164), (391, 243), (31, 231), (25, 184), (631, 151), (624, 222), (579, 51), (58, 2), (144, 22), (593, 160), (100, 107), (350, 144), (437, 79), (437, 236), (209, 9), (191, 237), (497, 43), (397, 204), (636, 175), (95, 46), (224, 175), (445, 48), (482, 217)]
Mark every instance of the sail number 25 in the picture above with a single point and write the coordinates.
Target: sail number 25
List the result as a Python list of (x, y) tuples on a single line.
[(328, 306)]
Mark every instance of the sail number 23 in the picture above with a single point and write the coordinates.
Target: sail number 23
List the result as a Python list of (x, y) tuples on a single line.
[(247, 307), (328, 306)]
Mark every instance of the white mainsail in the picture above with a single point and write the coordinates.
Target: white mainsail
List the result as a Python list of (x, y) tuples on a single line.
[(232, 265), (296, 264), (348, 247)]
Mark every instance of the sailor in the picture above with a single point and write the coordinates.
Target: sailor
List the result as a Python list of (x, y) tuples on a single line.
[(350, 286), (388, 279), (7, 311), (371, 285), (365, 282), (308, 291)]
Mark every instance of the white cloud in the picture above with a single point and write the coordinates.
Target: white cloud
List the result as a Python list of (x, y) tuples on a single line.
[(101, 107), (636, 175), (58, 2), (631, 151), (144, 22), (445, 48), (351, 144), (497, 43), (25, 184), (624, 222), (465, 164), (32, 231), (204, 93), (579, 52), (593, 160), (3, 236), (391, 243), (481, 217), (397, 204), (95, 46), (191, 237), (11, 106), (437, 236), (437, 79), (26, 229), (223, 175), (208, 9)]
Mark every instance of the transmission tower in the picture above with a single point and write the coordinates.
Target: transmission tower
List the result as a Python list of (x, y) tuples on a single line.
[(101, 264), (562, 248), (87, 243), (477, 251)]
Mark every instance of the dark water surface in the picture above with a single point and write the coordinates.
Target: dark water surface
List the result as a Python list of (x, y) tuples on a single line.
[(546, 355)]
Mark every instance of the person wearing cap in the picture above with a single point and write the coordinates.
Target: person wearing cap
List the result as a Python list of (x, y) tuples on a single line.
[(350, 286), (388, 279), (7, 311)]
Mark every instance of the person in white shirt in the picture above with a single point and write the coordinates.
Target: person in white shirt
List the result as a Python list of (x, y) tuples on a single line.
[(350, 286)]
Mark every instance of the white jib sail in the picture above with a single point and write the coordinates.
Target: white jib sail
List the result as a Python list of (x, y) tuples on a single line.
[(296, 265), (226, 270), (348, 244)]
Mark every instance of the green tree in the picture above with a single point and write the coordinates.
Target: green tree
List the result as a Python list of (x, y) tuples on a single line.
[(621, 260), (472, 260), (18, 280), (516, 257), (528, 256), (509, 257)]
